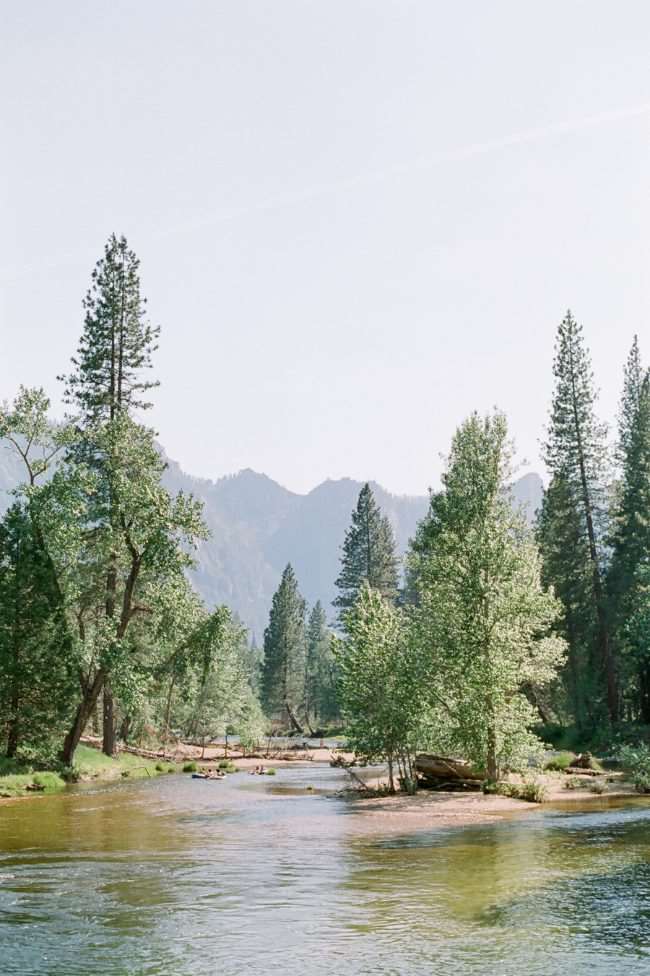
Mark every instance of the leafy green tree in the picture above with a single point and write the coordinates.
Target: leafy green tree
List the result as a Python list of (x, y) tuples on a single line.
[(153, 544), (381, 686), (482, 618), (285, 646), (575, 452), (219, 695), (368, 555), (321, 678)]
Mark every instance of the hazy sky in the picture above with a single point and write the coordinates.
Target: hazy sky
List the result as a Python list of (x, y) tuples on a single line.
[(358, 220)]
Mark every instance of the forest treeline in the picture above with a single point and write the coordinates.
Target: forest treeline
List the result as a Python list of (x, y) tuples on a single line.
[(489, 629)]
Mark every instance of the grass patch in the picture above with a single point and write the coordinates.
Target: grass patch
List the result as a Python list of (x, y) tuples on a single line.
[(19, 779), (270, 772), (190, 767), (560, 762)]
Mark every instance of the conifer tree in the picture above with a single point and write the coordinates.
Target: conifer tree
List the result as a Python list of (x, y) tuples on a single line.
[(37, 675), (117, 342), (109, 379), (575, 453), (285, 647), (369, 555), (630, 537), (566, 567), (320, 680)]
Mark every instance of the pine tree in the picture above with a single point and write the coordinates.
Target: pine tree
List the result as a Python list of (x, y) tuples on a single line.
[(117, 342), (114, 353), (368, 555), (566, 567), (37, 675), (283, 671), (633, 376), (575, 453), (320, 680), (630, 537)]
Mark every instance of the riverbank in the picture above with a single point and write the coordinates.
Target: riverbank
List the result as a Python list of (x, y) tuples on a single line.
[(19, 780), (401, 813)]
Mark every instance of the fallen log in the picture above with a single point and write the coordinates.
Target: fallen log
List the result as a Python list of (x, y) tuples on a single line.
[(582, 771), (446, 769)]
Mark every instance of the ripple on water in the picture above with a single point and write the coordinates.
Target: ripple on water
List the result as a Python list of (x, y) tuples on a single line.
[(178, 877)]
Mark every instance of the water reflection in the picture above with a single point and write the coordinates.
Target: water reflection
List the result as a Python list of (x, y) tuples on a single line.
[(175, 877)]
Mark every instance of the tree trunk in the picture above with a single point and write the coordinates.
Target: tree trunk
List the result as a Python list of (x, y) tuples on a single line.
[(125, 729), (391, 777), (491, 757), (644, 695), (81, 718), (108, 716), (13, 728), (295, 724)]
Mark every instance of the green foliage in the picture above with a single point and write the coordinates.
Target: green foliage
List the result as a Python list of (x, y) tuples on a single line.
[(530, 790), (560, 762), (636, 760), (575, 454), (38, 674), (482, 619), (271, 771), (380, 688), (190, 767), (321, 704), (285, 649), (598, 786), (369, 557)]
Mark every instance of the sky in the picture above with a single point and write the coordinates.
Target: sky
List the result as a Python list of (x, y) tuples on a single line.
[(358, 220)]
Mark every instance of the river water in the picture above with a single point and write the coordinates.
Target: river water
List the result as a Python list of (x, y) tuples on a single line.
[(259, 876)]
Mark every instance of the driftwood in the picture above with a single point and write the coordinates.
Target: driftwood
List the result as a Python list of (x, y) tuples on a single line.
[(582, 771), (446, 769)]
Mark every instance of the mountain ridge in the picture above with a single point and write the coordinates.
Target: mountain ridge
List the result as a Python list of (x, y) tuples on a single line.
[(257, 526)]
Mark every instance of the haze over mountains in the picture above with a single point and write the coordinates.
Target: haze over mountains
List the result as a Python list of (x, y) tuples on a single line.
[(257, 527)]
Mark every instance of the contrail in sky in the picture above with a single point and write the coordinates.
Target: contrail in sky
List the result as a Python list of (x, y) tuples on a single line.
[(524, 137)]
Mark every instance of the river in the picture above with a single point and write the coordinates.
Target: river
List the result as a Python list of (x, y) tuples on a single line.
[(259, 876)]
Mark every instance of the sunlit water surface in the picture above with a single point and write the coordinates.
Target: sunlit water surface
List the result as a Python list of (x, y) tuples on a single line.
[(182, 877)]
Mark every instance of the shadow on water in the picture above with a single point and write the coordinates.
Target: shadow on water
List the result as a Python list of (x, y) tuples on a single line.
[(174, 877)]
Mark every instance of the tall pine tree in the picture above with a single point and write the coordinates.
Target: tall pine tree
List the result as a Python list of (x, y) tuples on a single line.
[(285, 648), (575, 455), (630, 537), (369, 555)]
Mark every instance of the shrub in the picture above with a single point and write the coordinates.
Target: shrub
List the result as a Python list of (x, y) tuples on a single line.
[(126, 773), (573, 783), (224, 764), (637, 760), (159, 768), (270, 772), (190, 767), (598, 786), (531, 791), (47, 781), (557, 764)]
